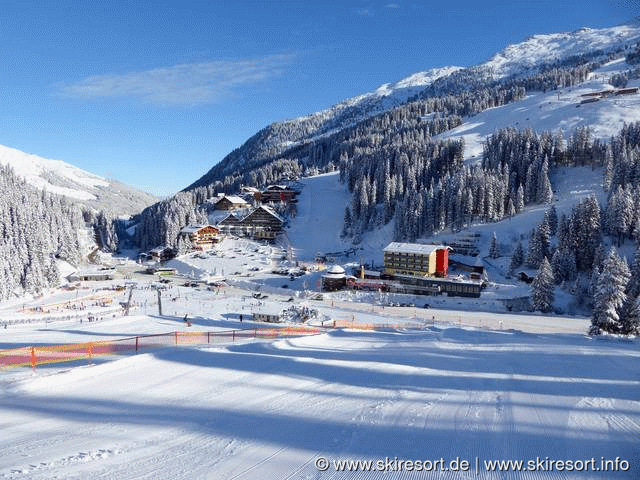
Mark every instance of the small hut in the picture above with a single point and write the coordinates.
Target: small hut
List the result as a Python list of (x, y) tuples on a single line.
[(334, 279)]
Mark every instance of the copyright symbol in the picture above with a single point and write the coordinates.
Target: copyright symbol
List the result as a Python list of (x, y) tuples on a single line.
[(322, 464)]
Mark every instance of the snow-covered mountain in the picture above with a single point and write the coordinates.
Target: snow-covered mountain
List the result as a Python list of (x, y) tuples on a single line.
[(61, 178), (559, 111), (515, 59), (556, 47), (536, 54)]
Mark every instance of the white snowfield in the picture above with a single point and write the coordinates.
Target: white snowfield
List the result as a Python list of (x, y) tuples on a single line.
[(61, 178), (318, 223), (516, 59), (271, 410), (36, 170), (547, 48), (558, 111)]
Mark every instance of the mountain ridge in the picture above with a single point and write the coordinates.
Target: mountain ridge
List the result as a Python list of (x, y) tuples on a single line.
[(62, 178), (533, 54)]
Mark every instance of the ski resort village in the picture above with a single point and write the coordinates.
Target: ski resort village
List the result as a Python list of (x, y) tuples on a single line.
[(437, 279)]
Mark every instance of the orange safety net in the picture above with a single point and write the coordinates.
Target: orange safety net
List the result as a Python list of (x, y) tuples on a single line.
[(50, 354), (43, 355)]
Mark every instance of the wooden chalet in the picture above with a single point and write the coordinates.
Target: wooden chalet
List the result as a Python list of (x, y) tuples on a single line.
[(231, 225), (263, 223), (202, 237), (162, 253), (277, 194), (231, 202)]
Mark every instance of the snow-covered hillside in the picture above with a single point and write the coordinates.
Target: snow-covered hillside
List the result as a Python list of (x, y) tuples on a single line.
[(386, 96), (516, 58), (515, 61), (550, 48), (272, 409), (61, 178), (559, 111)]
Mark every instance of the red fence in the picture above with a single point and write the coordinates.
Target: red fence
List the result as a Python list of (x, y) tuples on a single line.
[(43, 355)]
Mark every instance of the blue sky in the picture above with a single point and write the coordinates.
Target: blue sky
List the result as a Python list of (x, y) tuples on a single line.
[(155, 93)]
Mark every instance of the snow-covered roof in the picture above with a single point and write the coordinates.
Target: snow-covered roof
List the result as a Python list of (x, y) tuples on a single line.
[(270, 211), (229, 218), (93, 272), (193, 228), (234, 199), (414, 248), (159, 249), (335, 270), (276, 187)]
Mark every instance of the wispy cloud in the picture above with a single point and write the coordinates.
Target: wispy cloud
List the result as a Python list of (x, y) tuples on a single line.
[(364, 12), (186, 84)]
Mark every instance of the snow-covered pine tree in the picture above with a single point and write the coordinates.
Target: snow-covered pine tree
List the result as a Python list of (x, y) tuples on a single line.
[(37, 227), (553, 220), (511, 209), (630, 316), (542, 294), (630, 312), (544, 192), (609, 295), (517, 257), (563, 265), (520, 199), (538, 245), (346, 226), (633, 287), (494, 251)]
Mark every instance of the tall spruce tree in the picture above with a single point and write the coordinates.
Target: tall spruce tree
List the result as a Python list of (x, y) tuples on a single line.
[(494, 251), (553, 220), (609, 295), (542, 294), (517, 257)]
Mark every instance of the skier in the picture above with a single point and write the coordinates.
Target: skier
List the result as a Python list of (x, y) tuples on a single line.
[(240, 318)]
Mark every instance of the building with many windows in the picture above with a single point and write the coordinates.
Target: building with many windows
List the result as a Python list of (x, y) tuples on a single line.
[(416, 259), (202, 237), (262, 223)]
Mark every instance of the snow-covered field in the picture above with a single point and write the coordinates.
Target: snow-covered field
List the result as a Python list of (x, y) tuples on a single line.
[(532, 387), (270, 409), (558, 111), (320, 216)]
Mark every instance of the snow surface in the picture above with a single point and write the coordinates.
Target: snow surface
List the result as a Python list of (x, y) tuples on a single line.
[(268, 409), (35, 169), (320, 215), (548, 48), (61, 178), (558, 111), (437, 384)]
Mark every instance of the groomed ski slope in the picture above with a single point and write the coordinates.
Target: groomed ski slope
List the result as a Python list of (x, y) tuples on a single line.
[(268, 410)]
